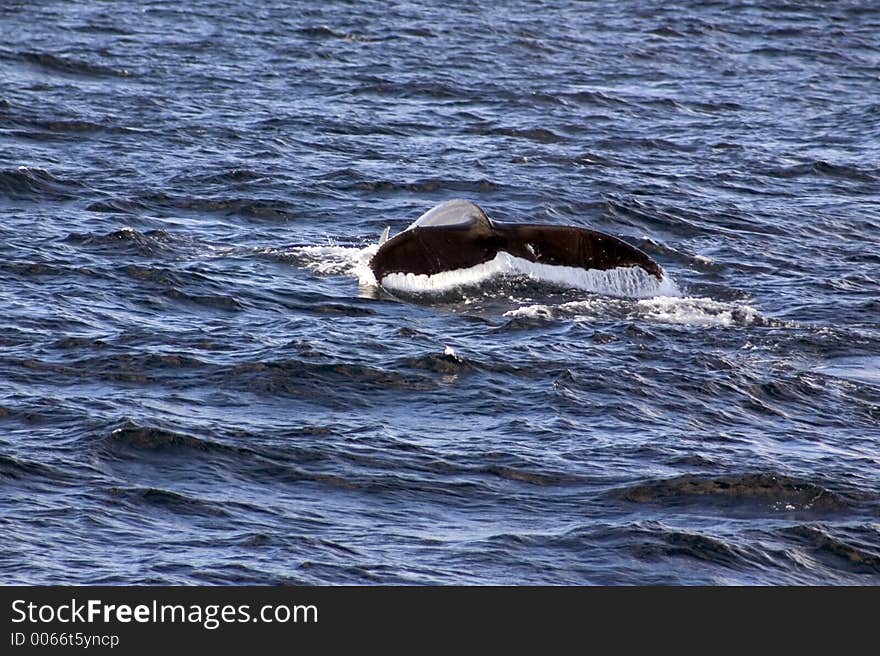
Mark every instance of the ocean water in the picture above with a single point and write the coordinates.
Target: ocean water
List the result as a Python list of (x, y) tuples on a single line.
[(200, 385)]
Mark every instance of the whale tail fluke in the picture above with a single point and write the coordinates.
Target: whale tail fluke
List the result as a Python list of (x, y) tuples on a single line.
[(458, 235)]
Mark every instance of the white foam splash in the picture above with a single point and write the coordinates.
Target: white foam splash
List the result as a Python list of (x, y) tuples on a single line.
[(689, 311), (584, 309), (338, 260), (701, 311), (631, 282), (536, 311)]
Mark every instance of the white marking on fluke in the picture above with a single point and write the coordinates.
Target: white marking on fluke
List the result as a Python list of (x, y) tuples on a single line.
[(632, 282)]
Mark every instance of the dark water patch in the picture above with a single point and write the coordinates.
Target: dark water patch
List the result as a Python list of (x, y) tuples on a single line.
[(344, 310), (151, 438), (787, 392), (767, 491), (75, 126), (666, 104), (298, 378), (447, 363), (524, 323), (116, 28), (174, 502), (257, 539), (696, 461), (718, 106), (126, 241), (346, 174), (161, 276), (427, 186), (321, 32), (261, 209), (724, 145), (121, 205), (212, 301), (521, 475), (365, 480), (131, 438), (16, 469), (229, 176), (31, 182), (597, 98), (868, 258), (144, 369), (541, 135), (663, 543), (241, 453), (857, 552), (232, 574), (265, 209), (36, 269), (431, 89), (535, 45), (66, 130), (183, 286), (594, 159), (71, 65), (77, 343), (815, 54), (411, 333), (822, 168), (640, 144), (349, 574), (637, 212)]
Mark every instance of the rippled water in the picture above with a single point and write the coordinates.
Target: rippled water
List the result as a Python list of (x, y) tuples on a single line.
[(197, 387)]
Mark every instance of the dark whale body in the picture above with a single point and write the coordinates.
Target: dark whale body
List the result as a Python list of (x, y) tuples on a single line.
[(458, 234)]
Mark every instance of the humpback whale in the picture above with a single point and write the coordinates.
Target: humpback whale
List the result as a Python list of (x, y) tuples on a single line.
[(458, 235)]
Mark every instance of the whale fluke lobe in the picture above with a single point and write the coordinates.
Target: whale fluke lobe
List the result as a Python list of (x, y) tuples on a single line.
[(458, 235)]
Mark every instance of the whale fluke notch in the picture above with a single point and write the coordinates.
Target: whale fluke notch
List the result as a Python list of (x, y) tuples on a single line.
[(458, 234)]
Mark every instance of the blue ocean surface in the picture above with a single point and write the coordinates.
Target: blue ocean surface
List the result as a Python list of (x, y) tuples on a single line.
[(200, 385)]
